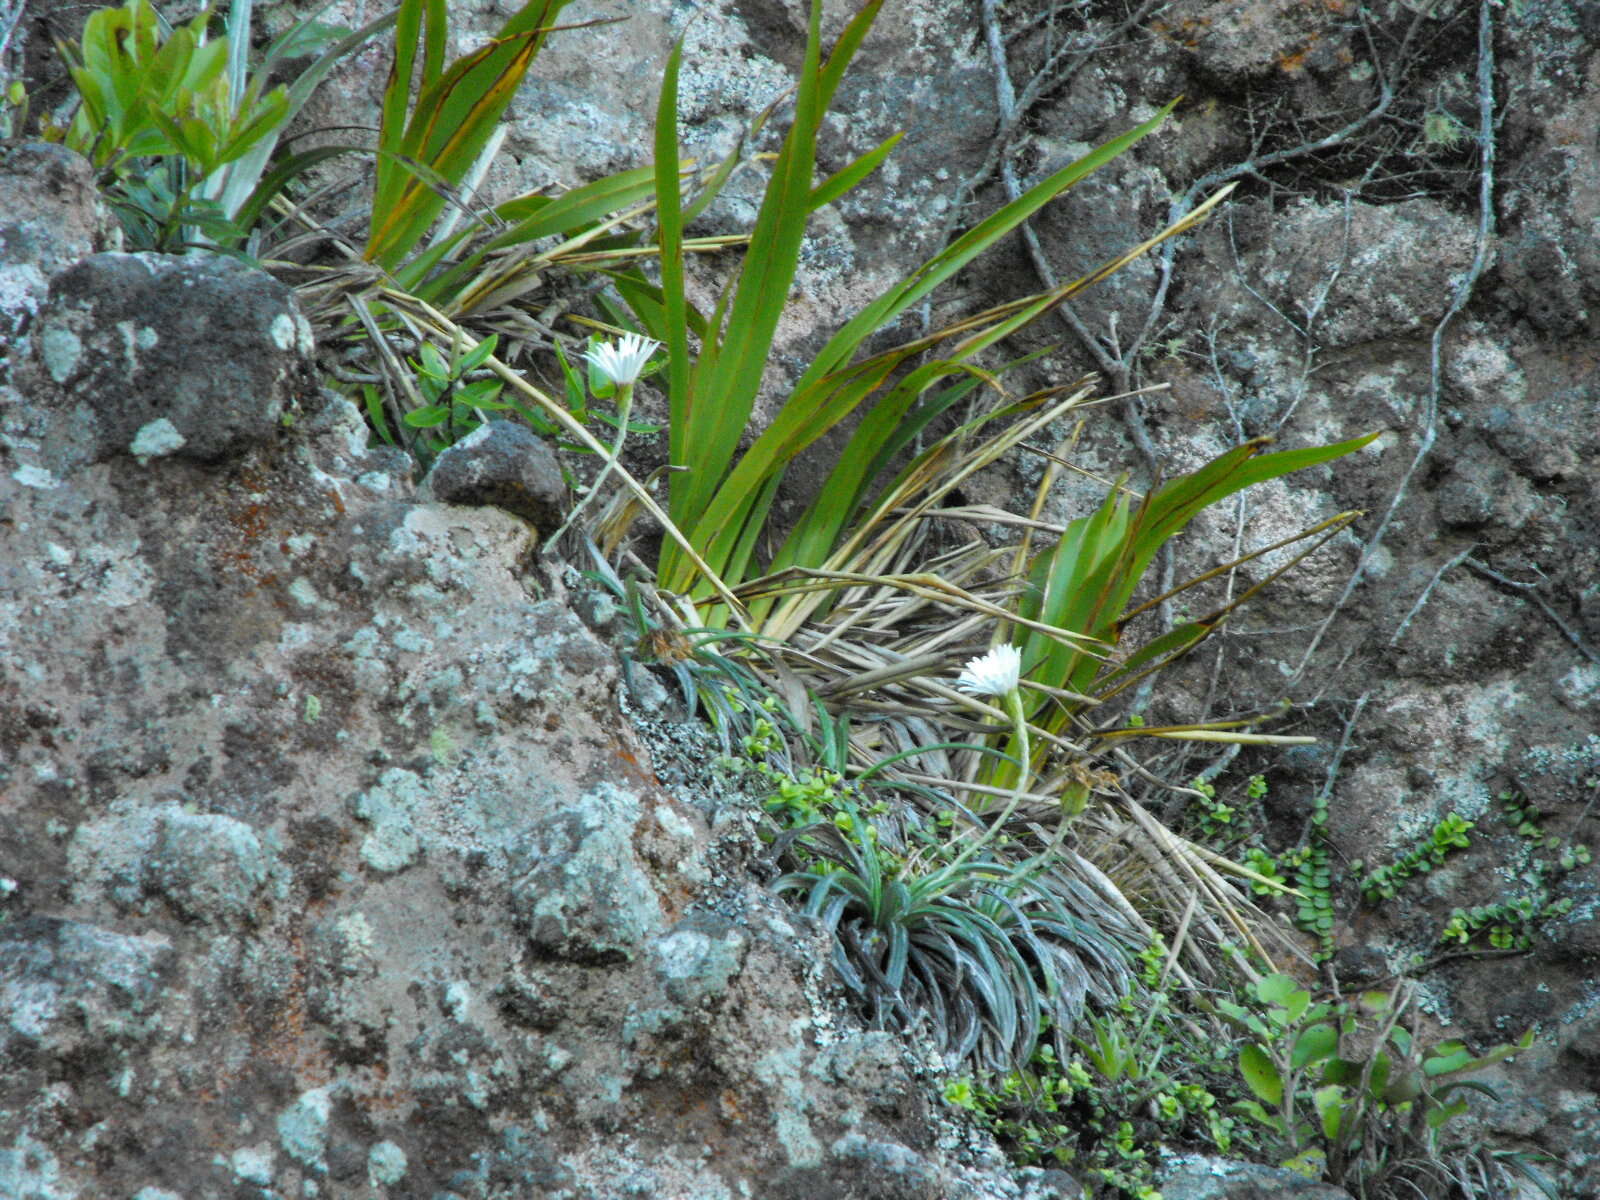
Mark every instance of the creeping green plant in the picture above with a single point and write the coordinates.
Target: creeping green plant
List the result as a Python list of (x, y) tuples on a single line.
[(1509, 923), (1137, 1076), (1447, 836)]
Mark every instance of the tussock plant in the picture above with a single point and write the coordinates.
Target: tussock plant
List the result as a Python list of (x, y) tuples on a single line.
[(988, 954), (937, 694)]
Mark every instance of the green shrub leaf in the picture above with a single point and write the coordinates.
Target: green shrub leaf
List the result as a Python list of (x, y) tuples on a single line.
[(1314, 1045), (1259, 1073)]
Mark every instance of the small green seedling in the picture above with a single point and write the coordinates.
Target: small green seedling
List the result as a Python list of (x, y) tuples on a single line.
[(1345, 1091)]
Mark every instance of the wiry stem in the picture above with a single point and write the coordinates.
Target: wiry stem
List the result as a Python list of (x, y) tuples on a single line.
[(1019, 725), (624, 408), (1463, 293)]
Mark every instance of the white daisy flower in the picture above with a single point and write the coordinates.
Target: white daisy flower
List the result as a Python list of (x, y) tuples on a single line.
[(622, 360), (992, 674)]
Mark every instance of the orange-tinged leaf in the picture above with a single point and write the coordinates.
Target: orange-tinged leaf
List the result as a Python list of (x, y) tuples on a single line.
[(452, 123)]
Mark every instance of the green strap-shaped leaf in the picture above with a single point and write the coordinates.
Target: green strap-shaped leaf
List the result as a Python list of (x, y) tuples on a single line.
[(450, 127), (843, 345), (572, 209), (885, 428), (734, 514), (844, 50), (819, 400), (669, 217), (1169, 645), (454, 115), (537, 217), (648, 303), (246, 175), (238, 52), (435, 37), (722, 399), (389, 174), (846, 178), (1085, 582), (927, 410), (818, 532)]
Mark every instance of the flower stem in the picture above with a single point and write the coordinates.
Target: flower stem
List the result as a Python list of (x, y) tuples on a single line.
[(1019, 726), (624, 406)]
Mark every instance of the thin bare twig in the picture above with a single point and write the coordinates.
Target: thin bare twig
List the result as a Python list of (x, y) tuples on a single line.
[(1338, 758), (1527, 592), (1255, 166), (1055, 73), (1430, 404), (1400, 629)]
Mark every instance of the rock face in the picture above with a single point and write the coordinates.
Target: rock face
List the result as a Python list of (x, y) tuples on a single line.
[(328, 865), (143, 355), (1197, 1177), (504, 465), (45, 186)]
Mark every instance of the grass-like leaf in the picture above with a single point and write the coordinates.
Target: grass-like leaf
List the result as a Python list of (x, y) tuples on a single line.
[(712, 401), (449, 124), (722, 515), (1085, 582)]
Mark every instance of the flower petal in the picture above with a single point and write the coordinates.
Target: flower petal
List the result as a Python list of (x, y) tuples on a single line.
[(993, 674), (622, 360)]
